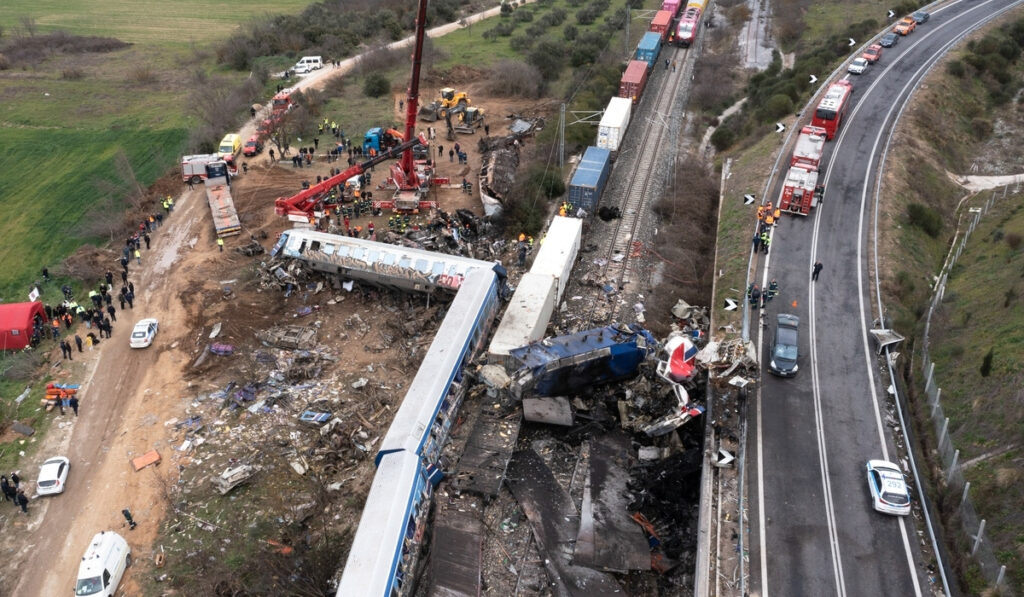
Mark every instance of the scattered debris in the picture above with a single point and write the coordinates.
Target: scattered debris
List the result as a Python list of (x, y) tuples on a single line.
[(233, 477)]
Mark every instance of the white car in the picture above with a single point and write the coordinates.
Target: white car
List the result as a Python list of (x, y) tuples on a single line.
[(858, 66), (889, 491), (143, 333), (53, 476)]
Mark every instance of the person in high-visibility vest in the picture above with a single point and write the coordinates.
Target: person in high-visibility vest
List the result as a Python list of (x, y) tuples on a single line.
[(220, 244), (760, 213)]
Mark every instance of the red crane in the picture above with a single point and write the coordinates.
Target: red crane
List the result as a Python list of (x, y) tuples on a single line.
[(404, 173)]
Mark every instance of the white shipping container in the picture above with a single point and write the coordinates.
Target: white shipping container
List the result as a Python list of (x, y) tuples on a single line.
[(558, 253), (612, 129), (526, 318)]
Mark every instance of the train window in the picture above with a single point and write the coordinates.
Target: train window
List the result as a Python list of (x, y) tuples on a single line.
[(389, 259), (357, 253), (422, 265), (372, 256), (328, 249), (438, 268), (314, 245), (343, 251), (302, 247), (405, 262)]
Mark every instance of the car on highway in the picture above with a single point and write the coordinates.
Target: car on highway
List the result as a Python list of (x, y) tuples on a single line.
[(905, 26), (143, 333), (253, 146), (53, 476), (889, 491), (858, 66), (873, 54), (785, 346), (889, 40), (920, 17)]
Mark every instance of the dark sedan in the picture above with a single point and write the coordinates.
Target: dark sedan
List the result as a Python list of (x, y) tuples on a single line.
[(785, 346)]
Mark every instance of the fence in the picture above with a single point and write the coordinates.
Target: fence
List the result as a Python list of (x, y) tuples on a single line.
[(973, 525)]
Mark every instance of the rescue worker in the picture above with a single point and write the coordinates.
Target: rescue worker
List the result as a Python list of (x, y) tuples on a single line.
[(778, 214), (769, 220), (773, 289), (561, 210), (760, 213), (220, 244), (754, 295), (522, 237), (766, 241)]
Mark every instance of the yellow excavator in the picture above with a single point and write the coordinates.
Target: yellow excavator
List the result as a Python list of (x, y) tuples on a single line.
[(439, 108)]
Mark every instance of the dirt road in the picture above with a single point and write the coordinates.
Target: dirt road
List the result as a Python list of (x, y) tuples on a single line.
[(127, 396)]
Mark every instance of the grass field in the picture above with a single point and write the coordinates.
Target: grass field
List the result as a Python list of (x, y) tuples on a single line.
[(168, 24)]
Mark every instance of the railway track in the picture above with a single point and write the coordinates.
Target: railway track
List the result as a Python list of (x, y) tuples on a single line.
[(640, 190)]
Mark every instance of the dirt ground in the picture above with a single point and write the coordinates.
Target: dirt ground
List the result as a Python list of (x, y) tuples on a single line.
[(129, 397)]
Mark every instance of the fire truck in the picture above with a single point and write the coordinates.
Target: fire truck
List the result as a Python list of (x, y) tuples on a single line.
[(800, 189)]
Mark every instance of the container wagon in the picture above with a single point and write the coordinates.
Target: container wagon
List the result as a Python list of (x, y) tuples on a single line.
[(526, 318), (672, 6), (611, 131), (558, 253), (649, 48), (661, 24), (589, 179), (633, 80), (700, 5)]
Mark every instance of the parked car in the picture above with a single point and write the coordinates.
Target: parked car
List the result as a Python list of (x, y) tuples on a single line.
[(889, 40), (785, 345), (889, 492), (858, 66), (143, 333), (920, 17), (53, 476), (905, 26), (252, 147), (873, 54)]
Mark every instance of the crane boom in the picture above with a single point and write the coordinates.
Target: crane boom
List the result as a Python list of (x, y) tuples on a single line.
[(304, 202)]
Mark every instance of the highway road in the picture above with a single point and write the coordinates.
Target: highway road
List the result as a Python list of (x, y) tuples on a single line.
[(813, 531)]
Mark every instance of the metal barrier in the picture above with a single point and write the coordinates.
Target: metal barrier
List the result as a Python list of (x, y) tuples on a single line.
[(955, 484)]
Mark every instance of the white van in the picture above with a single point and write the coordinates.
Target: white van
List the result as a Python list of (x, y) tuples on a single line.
[(308, 64), (103, 565)]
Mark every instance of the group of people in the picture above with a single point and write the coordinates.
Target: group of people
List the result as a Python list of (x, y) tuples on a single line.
[(760, 298), (12, 491), (767, 217)]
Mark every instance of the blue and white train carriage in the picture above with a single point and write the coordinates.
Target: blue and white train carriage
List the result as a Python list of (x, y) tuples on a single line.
[(385, 552)]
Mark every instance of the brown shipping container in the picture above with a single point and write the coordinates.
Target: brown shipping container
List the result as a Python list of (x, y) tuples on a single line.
[(662, 23), (634, 80)]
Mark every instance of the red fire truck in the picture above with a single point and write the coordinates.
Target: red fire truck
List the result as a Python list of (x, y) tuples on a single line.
[(800, 190)]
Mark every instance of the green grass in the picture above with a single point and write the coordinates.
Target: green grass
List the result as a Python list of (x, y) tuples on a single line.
[(829, 18), (736, 224), (167, 24)]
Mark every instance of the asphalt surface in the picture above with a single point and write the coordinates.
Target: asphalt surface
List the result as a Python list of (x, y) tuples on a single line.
[(813, 531)]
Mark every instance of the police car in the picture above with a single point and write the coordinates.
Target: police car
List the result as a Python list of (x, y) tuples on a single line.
[(889, 491)]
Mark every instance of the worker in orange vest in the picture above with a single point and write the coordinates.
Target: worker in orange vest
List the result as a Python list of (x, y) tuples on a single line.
[(769, 220), (760, 213), (778, 214)]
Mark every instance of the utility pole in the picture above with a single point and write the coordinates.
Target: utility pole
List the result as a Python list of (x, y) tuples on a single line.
[(626, 41), (561, 136)]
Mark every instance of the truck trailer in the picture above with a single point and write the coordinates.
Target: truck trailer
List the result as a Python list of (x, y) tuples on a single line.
[(218, 195)]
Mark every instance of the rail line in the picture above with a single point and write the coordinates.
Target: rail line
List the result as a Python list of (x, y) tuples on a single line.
[(639, 190)]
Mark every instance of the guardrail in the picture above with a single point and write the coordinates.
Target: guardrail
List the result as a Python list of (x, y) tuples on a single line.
[(972, 525)]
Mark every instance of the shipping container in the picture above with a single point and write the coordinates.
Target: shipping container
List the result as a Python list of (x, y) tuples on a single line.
[(588, 181), (649, 48), (633, 80), (526, 319), (558, 253), (672, 6), (611, 132), (661, 23)]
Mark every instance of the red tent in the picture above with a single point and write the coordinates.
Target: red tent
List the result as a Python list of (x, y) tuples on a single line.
[(16, 324)]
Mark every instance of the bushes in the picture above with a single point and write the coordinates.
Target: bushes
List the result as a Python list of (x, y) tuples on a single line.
[(925, 218), (723, 138), (548, 56), (376, 85), (513, 78)]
